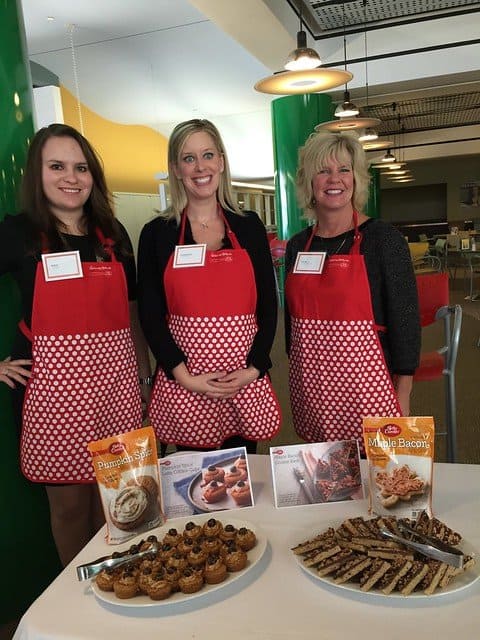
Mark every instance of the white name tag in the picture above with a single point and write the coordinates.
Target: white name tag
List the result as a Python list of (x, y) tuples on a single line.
[(189, 255), (309, 262), (62, 266)]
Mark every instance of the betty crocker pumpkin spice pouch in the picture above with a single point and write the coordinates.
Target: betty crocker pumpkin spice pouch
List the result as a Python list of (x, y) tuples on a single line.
[(400, 465), (126, 468)]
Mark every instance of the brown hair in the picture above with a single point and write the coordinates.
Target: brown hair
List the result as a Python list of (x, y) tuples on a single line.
[(320, 147), (176, 142), (98, 209)]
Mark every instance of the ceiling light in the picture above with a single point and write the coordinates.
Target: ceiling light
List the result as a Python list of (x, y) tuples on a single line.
[(346, 109), (388, 157), (303, 75), (395, 172), (393, 165), (302, 57), (346, 124), (306, 81), (404, 180), (368, 135), (377, 144)]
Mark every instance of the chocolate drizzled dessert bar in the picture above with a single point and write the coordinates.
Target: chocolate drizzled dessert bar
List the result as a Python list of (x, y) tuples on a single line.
[(357, 552)]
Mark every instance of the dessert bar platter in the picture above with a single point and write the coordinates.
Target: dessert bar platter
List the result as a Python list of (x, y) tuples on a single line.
[(357, 556), (222, 486), (186, 558)]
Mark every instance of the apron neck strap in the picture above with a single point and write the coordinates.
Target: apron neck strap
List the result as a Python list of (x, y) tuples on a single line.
[(107, 244), (357, 235), (232, 237)]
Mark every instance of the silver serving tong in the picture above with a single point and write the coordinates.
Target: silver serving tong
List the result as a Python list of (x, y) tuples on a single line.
[(89, 570), (431, 547)]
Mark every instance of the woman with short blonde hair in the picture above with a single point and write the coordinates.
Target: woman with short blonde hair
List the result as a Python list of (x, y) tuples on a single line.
[(352, 321)]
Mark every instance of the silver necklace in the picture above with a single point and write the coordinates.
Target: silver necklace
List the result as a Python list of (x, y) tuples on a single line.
[(332, 253)]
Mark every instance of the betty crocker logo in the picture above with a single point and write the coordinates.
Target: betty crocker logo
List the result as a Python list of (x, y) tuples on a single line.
[(117, 448), (391, 430)]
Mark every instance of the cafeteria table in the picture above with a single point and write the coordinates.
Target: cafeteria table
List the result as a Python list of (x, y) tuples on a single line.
[(276, 600)]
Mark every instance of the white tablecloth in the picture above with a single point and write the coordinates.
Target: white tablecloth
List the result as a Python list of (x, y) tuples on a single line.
[(277, 599)]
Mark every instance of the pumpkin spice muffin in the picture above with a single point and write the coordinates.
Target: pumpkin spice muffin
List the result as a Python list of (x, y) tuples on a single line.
[(106, 578), (212, 528), (159, 587), (235, 559), (197, 557), (126, 586), (192, 531), (246, 539), (172, 537), (229, 533), (215, 570), (190, 581)]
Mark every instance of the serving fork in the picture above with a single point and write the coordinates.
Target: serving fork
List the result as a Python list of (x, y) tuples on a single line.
[(300, 476)]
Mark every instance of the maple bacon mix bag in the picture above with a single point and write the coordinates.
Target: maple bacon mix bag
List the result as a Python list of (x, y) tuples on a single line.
[(400, 465)]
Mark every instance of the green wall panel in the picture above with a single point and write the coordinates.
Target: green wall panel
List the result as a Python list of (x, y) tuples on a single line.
[(25, 523)]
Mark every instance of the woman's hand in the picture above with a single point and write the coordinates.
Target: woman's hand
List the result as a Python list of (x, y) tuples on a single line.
[(204, 384), (403, 388), (232, 382), (218, 384), (12, 371)]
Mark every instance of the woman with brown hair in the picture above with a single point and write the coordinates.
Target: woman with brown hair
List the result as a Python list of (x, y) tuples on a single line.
[(74, 265), (207, 304)]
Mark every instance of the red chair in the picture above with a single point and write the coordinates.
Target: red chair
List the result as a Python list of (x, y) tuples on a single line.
[(433, 299)]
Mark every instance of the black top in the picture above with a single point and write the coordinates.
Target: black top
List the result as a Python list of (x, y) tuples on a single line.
[(21, 262), (157, 243), (392, 287)]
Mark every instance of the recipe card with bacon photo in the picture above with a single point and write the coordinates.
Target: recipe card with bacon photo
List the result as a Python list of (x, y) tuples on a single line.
[(316, 473), (205, 482)]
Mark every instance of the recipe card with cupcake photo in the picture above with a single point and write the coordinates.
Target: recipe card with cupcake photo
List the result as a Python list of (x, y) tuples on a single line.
[(316, 473), (199, 482)]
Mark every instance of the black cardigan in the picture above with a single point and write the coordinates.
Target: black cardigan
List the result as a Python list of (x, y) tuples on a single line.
[(157, 242), (392, 287)]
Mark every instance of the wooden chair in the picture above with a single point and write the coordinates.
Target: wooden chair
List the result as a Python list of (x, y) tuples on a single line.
[(433, 299)]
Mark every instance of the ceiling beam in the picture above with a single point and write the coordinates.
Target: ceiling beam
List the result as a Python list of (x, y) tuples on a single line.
[(252, 24)]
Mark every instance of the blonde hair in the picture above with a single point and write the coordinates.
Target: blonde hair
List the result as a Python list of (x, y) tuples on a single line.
[(318, 149), (176, 143)]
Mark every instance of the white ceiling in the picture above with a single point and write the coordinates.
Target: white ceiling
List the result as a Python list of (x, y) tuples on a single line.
[(157, 62)]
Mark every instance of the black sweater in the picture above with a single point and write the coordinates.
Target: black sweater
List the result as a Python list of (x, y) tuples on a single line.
[(157, 243), (18, 259), (392, 287)]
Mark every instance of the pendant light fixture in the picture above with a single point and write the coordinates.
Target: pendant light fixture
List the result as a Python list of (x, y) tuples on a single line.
[(346, 109), (347, 113), (389, 157), (302, 57), (303, 72), (370, 134)]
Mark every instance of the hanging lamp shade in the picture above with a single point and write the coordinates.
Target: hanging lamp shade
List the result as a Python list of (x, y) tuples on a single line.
[(346, 124), (388, 157), (306, 81), (377, 144), (302, 57), (347, 108), (368, 135)]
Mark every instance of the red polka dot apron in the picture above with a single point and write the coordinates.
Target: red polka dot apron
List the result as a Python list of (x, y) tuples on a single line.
[(337, 371), (84, 383), (212, 319)]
